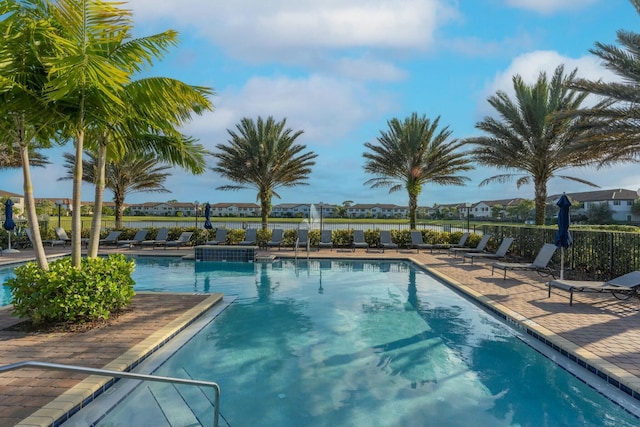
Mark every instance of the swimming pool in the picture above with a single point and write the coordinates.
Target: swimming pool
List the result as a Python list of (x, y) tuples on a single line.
[(352, 343)]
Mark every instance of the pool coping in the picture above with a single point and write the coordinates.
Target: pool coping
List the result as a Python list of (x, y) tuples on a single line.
[(71, 401)]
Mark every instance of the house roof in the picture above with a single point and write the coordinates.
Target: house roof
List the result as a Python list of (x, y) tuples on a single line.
[(599, 195), (375, 205), (237, 205)]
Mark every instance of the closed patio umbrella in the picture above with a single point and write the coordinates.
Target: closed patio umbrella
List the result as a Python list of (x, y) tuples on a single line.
[(563, 238), (207, 217), (8, 223)]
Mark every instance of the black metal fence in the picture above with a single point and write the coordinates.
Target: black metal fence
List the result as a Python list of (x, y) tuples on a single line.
[(594, 255)]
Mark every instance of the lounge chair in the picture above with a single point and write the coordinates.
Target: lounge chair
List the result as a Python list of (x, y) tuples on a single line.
[(500, 253), (303, 239), (250, 237), (386, 242), (482, 244), (326, 240), (622, 287), (417, 243), (182, 240), (220, 237), (44, 242), (111, 239), (276, 239), (161, 238), (358, 241), (539, 265), (62, 235), (137, 239)]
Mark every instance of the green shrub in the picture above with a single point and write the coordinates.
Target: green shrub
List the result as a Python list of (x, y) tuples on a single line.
[(67, 294)]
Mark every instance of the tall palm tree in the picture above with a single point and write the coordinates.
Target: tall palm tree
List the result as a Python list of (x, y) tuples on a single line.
[(27, 121), (412, 153), (263, 155), (131, 174), (615, 125), (155, 108), (531, 139), (89, 74)]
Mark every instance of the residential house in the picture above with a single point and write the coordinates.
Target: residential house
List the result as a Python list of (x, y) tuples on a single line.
[(235, 209), (377, 210), (18, 201), (485, 208), (619, 200)]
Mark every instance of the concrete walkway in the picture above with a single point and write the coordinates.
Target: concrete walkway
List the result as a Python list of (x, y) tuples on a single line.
[(598, 331)]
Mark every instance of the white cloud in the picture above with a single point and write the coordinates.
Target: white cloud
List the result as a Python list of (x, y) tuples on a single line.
[(256, 30), (549, 6), (530, 65), (326, 109)]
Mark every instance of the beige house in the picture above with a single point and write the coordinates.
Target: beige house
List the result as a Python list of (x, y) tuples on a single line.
[(18, 202), (619, 200)]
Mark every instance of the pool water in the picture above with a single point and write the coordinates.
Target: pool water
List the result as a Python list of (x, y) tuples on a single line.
[(351, 343)]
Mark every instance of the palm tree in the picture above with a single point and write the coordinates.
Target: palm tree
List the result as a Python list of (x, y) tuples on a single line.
[(412, 153), (149, 126), (527, 142), (27, 121), (95, 60), (614, 128), (263, 155), (131, 174), (10, 158)]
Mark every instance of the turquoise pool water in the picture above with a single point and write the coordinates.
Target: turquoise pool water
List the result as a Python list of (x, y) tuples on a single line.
[(350, 343)]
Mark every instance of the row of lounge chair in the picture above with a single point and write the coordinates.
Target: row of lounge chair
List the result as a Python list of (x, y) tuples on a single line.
[(622, 287), (250, 237), (140, 239)]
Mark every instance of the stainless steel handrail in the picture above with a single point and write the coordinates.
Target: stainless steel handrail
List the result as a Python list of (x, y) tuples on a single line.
[(118, 374)]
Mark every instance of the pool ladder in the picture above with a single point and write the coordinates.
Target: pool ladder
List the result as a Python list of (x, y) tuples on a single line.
[(118, 374), (298, 245)]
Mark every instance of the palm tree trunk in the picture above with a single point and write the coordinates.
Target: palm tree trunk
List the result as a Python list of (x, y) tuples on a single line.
[(96, 221), (118, 201), (30, 207), (413, 208), (541, 202), (265, 209), (76, 220)]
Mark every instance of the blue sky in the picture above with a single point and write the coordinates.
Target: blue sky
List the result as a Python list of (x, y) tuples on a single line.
[(339, 70)]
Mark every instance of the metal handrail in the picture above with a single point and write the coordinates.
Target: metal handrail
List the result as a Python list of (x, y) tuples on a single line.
[(118, 374)]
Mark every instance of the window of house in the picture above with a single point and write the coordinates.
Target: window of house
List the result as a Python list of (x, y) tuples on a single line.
[(616, 203)]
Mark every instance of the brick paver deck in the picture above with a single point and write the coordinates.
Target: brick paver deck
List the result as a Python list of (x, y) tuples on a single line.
[(598, 329)]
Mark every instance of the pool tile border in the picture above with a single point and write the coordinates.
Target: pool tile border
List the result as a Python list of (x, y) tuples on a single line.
[(70, 402)]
